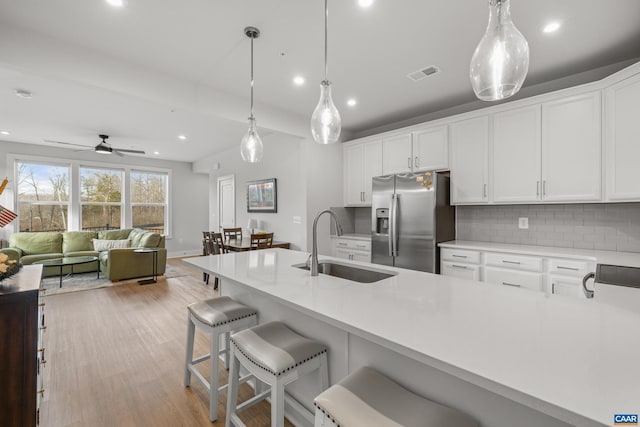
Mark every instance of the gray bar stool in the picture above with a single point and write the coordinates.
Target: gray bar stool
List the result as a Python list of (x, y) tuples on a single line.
[(367, 398), (277, 356), (216, 317)]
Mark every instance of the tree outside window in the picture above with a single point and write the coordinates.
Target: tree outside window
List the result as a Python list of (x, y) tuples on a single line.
[(101, 198), (43, 196), (149, 200)]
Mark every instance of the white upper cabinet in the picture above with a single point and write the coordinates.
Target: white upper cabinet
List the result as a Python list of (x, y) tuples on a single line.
[(572, 148), (396, 154), (470, 161), (362, 162), (516, 155), (622, 140), (431, 149)]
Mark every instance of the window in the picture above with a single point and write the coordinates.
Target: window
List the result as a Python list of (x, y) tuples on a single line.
[(43, 196), (149, 195), (100, 198)]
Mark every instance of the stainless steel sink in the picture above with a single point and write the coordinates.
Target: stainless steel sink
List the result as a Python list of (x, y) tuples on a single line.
[(348, 272)]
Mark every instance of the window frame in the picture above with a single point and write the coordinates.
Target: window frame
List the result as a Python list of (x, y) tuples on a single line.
[(41, 162), (166, 194), (121, 204), (74, 221)]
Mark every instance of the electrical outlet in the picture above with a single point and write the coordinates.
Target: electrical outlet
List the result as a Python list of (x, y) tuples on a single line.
[(297, 220), (523, 223)]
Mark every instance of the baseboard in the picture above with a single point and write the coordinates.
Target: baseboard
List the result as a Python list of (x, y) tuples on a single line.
[(190, 252)]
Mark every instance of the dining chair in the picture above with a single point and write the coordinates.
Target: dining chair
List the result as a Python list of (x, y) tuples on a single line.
[(212, 248), (232, 233), (261, 241), (217, 238)]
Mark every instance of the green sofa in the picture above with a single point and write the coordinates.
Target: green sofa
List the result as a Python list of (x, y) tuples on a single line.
[(115, 264)]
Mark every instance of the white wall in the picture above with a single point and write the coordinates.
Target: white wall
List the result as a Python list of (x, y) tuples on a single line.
[(281, 161), (309, 180), (189, 191)]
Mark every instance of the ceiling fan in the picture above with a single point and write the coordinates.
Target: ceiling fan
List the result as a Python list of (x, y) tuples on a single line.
[(102, 148)]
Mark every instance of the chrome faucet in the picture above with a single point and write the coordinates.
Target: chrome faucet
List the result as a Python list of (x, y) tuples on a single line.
[(314, 248)]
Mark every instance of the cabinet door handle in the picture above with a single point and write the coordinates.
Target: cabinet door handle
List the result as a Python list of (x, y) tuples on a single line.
[(511, 284), (567, 268), (484, 190), (42, 304), (417, 162), (459, 256), (363, 196), (553, 288), (537, 188), (459, 266), (510, 262), (544, 187), (409, 162)]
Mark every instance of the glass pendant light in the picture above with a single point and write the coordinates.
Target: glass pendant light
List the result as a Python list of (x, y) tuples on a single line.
[(251, 145), (501, 61), (326, 123)]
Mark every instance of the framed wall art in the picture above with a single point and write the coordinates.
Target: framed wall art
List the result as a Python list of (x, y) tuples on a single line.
[(262, 196)]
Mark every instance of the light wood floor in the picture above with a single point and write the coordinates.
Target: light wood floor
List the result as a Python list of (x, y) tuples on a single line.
[(115, 357)]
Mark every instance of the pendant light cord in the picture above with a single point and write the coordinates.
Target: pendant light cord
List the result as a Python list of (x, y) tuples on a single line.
[(252, 37), (326, 18)]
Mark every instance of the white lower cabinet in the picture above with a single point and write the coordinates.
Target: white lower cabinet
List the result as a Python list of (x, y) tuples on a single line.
[(460, 270), (352, 250), (566, 286), (513, 278)]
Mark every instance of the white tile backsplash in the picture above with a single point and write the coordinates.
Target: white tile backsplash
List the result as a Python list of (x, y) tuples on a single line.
[(612, 226)]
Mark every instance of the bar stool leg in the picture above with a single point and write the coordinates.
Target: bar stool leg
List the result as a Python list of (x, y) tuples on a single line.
[(324, 372), (213, 375), (191, 330), (232, 390), (277, 404), (227, 348)]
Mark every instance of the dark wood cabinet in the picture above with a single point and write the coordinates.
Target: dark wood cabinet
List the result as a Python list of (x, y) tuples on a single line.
[(20, 322)]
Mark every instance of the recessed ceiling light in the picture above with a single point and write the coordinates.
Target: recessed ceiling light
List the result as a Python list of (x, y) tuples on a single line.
[(22, 93), (5, 132), (116, 3), (552, 27), (365, 3), (182, 137), (351, 102), (298, 80), (156, 152)]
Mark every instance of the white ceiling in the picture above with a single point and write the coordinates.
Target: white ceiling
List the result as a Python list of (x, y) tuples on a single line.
[(201, 43)]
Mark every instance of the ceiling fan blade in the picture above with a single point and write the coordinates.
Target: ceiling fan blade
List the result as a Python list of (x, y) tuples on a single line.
[(65, 143), (129, 151), (118, 153)]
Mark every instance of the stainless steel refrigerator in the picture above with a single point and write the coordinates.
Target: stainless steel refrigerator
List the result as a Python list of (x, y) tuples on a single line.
[(411, 214)]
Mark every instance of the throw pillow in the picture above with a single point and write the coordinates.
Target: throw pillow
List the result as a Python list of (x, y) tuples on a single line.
[(104, 245)]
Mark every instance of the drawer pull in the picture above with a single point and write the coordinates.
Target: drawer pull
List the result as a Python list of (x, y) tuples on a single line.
[(568, 268), (459, 266), (511, 262), (42, 304), (42, 328), (459, 256), (360, 246), (511, 284), (342, 244), (41, 392), (43, 290)]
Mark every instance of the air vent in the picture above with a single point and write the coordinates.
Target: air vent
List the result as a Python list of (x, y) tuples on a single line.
[(423, 73)]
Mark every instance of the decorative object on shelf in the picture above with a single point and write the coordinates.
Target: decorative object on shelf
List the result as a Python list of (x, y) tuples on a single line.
[(326, 123), (501, 60), (251, 225), (262, 196), (251, 145), (8, 267)]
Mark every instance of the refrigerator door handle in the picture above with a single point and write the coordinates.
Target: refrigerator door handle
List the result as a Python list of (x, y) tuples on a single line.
[(394, 224), (391, 227)]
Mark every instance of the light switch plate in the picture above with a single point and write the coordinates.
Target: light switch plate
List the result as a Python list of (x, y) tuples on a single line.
[(523, 223)]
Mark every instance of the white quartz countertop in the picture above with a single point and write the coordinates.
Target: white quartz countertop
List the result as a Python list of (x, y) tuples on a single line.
[(574, 359), (629, 259), (353, 236)]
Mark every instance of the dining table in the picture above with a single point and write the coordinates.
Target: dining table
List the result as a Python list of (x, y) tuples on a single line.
[(244, 244)]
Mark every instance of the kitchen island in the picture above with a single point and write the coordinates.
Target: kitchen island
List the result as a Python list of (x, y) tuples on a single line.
[(504, 356)]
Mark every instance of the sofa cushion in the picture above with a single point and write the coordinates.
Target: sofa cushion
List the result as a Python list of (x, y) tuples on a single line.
[(74, 241), (35, 243), (81, 253), (114, 234), (103, 245), (150, 240), (30, 259), (135, 236)]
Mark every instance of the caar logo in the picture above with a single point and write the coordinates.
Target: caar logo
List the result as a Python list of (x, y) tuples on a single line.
[(625, 420)]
